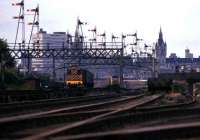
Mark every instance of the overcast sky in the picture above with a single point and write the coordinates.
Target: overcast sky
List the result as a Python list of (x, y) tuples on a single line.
[(179, 19)]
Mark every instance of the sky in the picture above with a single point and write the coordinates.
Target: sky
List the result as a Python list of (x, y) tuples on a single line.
[(179, 19)]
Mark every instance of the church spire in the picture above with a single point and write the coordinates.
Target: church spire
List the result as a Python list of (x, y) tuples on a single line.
[(161, 49), (160, 34)]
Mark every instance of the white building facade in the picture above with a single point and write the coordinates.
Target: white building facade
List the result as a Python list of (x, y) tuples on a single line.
[(56, 40)]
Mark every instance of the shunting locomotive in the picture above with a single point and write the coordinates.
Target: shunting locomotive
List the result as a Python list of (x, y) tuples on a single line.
[(77, 77)]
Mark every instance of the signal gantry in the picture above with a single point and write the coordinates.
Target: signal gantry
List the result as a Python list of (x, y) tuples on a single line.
[(21, 20)]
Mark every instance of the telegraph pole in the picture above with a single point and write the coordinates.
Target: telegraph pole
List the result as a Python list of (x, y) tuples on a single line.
[(21, 20), (103, 36), (153, 57), (35, 23), (94, 37), (121, 61), (54, 68), (20, 23)]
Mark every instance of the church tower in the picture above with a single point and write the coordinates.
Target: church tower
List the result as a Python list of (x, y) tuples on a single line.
[(161, 49)]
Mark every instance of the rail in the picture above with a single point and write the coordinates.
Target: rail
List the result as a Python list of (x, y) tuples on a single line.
[(88, 121)]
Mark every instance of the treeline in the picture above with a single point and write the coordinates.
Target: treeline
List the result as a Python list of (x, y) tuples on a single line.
[(10, 76)]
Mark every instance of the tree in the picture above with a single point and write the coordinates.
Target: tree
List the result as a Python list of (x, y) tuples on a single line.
[(6, 61), (5, 57)]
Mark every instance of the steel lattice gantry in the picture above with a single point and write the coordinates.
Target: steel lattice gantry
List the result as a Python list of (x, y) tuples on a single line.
[(83, 56), (73, 56)]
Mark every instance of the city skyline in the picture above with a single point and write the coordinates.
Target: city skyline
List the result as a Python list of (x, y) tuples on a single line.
[(178, 19)]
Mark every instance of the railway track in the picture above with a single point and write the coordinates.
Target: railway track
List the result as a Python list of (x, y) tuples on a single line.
[(141, 124), (124, 117), (67, 115), (159, 132), (12, 109), (68, 109), (85, 122)]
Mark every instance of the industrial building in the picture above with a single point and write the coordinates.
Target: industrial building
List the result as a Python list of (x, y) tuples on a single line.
[(139, 68), (60, 40)]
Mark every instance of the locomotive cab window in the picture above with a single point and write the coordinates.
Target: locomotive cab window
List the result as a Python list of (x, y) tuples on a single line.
[(69, 72), (79, 72)]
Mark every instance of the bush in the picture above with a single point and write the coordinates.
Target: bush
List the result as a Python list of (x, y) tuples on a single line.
[(178, 87)]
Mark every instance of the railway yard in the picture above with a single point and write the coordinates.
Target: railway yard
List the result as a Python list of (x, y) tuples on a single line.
[(135, 114), (94, 84)]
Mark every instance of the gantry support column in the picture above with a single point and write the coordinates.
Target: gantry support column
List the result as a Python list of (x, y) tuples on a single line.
[(53, 66), (121, 65)]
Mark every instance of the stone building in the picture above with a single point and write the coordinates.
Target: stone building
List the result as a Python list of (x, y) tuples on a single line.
[(161, 49)]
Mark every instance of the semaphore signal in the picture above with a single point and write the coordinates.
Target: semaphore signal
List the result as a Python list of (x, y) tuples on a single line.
[(34, 23), (18, 17), (21, 21), (18, 4)]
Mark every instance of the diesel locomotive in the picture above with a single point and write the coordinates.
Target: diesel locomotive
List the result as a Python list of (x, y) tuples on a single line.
[(77, 77)]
